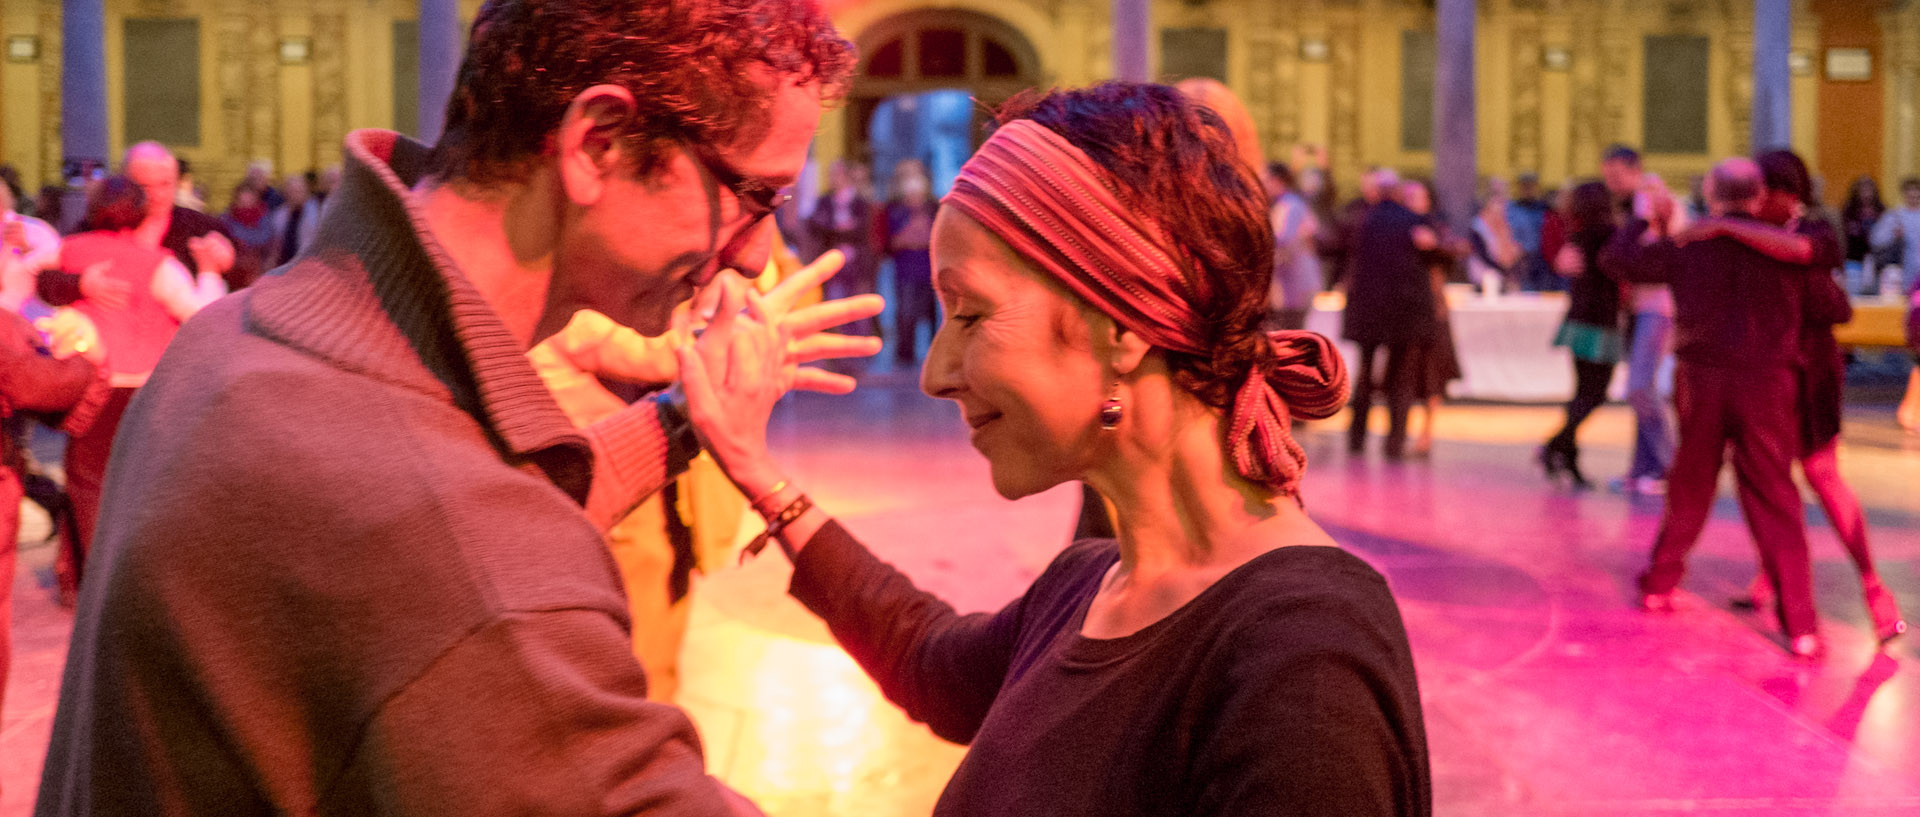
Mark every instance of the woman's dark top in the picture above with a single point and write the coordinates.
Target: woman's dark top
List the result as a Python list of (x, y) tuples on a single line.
[(1285, 688), (1858, 217), (1822, 369), (1594, 296)]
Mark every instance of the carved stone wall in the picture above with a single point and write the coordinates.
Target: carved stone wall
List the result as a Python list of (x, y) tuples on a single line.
[(1344, 99), (329, 83), (1523, 121), (1737, 93), (51, 65)]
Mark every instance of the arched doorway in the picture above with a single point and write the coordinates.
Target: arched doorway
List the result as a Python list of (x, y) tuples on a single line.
[(925, 82)]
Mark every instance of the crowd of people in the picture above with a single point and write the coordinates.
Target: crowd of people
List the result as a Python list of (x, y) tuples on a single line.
[(877, 239), (398, 481), (1743, 282)]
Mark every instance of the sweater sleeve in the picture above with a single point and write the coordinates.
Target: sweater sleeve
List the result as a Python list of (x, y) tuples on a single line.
[(533, 713), (1322, 718), (943, 668), (635, 453)]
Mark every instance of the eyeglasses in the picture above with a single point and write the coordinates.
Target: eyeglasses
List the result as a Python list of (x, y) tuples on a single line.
[(757, 199)]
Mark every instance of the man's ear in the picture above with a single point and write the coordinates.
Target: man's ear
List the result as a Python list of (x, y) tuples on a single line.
[(588, 140)]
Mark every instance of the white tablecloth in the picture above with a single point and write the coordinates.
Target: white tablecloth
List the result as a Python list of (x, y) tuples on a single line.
[(1505, 345)]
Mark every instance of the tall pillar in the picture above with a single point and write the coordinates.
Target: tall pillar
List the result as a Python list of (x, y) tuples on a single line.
[(1455, 142), (1772, 80), (1132, 50), (83, 80), (441, 42)]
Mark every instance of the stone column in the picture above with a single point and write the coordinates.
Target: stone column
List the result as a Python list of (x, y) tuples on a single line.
[(1772, 80), (83, 80), (1455, 140), (441, 43), (1132, 48)]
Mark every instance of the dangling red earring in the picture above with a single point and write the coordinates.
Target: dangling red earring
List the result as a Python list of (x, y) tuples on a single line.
[(1110, 410)]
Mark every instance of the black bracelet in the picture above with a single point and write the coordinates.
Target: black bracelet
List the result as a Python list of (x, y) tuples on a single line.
[(794, 510)]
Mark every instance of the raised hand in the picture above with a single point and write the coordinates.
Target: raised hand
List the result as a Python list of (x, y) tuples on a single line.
[(733, 375), (595, 344), (211, 253), (809, 340), (70, 333)]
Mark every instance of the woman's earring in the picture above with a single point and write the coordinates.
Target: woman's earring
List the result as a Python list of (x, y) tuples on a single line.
[(1110, 410)]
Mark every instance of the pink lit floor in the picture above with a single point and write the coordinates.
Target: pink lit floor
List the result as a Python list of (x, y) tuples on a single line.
[(1546, 693)]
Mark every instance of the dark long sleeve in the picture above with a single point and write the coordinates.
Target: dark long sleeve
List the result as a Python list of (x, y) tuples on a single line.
[(58, 288), (1826, 303), (943, 668), (1626, 259)]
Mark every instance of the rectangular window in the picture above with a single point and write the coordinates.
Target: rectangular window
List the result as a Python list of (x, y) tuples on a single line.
[(406, 76), (1419, 56), (1193, 52), (1675, 95), (160, 76)]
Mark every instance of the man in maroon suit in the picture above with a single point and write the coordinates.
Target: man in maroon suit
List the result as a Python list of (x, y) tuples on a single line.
[(1737, 316)]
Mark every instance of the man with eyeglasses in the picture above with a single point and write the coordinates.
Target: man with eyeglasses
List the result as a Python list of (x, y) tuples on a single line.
[(351, 558)]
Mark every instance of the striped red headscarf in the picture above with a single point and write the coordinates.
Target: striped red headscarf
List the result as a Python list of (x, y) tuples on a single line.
[(1055, 207)]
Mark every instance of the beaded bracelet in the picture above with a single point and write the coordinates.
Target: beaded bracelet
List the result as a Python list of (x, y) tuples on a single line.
[(794, 510)]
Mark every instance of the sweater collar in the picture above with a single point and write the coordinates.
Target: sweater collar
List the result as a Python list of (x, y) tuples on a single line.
[(376, 293)]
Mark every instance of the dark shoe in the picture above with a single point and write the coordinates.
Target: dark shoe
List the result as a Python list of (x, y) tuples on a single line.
[(1574, 478), (1887, 623), (1549, 460)]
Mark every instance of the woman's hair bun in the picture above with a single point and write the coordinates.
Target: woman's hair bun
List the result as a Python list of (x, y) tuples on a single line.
[(1308, 373)]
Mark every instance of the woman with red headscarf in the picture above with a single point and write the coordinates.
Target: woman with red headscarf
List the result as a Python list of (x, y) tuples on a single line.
[(1103, 261)]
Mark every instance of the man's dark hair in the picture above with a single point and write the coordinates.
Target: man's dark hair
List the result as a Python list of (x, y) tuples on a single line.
[(1909, 183), (116, 204), (1279, 170), (1785, 171), (1621, 153), (1176, 162), (689, 65)]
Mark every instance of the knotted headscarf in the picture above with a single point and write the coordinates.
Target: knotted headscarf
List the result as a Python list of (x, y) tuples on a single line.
[(1052, 204)]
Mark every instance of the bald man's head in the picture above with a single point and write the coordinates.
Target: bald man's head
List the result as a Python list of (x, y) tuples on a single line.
[(1734, 186), (152, 166)]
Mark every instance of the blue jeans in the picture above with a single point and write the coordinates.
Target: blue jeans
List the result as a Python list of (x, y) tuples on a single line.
[(1652, 438)]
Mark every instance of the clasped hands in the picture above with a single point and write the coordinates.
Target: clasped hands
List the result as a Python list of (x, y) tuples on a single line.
[(734, 350)]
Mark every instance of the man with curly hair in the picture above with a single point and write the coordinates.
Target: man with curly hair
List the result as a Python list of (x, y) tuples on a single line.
[(350, 560)]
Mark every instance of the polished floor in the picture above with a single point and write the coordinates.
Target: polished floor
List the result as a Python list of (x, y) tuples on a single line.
[(1546, 692)]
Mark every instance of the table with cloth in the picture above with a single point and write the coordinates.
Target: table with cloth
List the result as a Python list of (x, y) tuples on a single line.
[(1506, 350), (1505, 344)]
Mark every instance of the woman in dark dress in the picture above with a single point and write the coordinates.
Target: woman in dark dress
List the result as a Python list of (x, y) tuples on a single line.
[(1592, 328), (1803, 240), (1438, 362), (1863, 208), (1103, 260)]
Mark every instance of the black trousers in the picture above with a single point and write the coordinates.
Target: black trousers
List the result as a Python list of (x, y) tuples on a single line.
[(1590, 381), (1397, 382), (1755, 413)]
